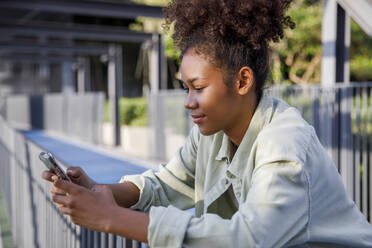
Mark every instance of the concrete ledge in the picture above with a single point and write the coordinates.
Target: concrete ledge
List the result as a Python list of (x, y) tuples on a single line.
[(101, 167)]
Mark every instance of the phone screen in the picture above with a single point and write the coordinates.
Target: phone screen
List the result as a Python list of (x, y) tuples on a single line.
[(49, 161)]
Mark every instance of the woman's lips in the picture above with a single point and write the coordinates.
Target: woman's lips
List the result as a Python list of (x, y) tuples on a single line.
[(198, 118)]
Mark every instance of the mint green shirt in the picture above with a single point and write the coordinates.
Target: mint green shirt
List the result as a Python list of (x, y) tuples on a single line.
[(287, 190)]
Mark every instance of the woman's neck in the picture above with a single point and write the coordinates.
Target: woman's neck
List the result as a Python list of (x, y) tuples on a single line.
[(236, 133)]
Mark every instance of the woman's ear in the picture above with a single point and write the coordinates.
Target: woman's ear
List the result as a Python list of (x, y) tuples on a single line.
[(244, 81)]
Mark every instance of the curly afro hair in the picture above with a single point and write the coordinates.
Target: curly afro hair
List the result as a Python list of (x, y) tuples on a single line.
[(230, 33)]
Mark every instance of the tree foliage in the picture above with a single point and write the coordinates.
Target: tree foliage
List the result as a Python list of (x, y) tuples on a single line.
[(360, 55), (297, 58)]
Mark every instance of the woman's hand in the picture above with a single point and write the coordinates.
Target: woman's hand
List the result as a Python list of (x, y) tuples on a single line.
[(75, 173), (89, 208), (77, 176)]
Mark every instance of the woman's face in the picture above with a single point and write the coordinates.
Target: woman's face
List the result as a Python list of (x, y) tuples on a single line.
[(213, 105)]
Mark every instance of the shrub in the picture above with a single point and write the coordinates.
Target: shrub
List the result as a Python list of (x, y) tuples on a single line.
[(132, 111)]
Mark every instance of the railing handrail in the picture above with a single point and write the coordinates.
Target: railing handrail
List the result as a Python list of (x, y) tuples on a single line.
[(35, 219)]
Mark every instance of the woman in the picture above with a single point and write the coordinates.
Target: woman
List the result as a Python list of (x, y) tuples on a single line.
[(252, 167)]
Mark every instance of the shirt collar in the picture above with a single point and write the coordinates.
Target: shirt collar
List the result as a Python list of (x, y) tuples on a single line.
[(224, 151), (261, 117)]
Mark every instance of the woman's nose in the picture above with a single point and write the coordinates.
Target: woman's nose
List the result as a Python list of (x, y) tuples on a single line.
[(190, 101)]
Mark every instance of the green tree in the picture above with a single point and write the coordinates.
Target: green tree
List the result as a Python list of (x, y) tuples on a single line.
[(297, 57), (360, 55)]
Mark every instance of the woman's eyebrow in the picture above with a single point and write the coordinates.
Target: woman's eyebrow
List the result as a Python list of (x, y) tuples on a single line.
[(190, 81)]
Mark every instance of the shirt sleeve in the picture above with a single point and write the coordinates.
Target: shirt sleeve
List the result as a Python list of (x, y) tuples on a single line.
[(173, 183), (275, 210)]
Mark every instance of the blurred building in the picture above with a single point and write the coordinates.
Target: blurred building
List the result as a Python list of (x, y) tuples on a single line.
[(67, 46)]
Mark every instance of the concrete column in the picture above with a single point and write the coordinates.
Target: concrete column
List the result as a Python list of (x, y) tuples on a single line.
[(44, 67), (83, 75), (68, 77), (155, 65), (68, 72), (157, 81), (163, 65), (336, 43), (329, 24), (115, 77), (342, 46)]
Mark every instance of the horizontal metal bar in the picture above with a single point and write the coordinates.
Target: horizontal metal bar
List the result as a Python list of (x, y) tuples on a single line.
[(37, 59), (91, 8), (83, 32), (32, 47)]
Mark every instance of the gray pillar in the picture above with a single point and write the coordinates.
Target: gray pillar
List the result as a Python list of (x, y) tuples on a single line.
[(155, 65), (68, 79), (342, 46), (158, 64), (329, 22), (336, 43), (68, 73), (44, 67), (157, 81), (157, 117), (163, 64), (83, 75), (115, 77)]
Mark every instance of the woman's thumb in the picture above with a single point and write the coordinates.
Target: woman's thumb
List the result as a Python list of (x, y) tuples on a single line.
[(73, 171)]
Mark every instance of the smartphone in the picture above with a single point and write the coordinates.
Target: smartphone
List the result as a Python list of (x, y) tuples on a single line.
[(50, 162)]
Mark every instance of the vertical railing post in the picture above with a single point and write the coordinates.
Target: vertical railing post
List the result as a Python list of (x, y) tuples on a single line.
[(356, 146), (364, 136), (370, 159), (337, 127), (346, 161)]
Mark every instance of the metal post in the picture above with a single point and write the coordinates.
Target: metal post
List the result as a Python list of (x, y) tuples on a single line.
[(83, 74), (44, 67), (328, 76), (158, 70), (115, 77), (163, 75), (155, 65), (68, 77), (346, 156), (158, 144), (68, 81), (336, 43), (342, 46)]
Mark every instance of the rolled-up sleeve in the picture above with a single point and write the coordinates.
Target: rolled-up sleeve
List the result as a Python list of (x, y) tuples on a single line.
[(275, 211), (173, 184)]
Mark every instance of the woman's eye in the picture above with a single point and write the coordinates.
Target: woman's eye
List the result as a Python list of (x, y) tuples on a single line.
[(186, 89), (198, 89)]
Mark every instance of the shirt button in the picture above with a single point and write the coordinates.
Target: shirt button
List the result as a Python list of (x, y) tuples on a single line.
[(225, 181), (230, 175), (237, 195)]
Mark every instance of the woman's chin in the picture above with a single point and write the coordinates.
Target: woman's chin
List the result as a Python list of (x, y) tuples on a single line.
[(207, 131)]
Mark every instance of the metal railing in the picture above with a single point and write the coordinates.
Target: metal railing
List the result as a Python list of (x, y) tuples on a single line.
[(34, 218), (75, 115), (341, 116)]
